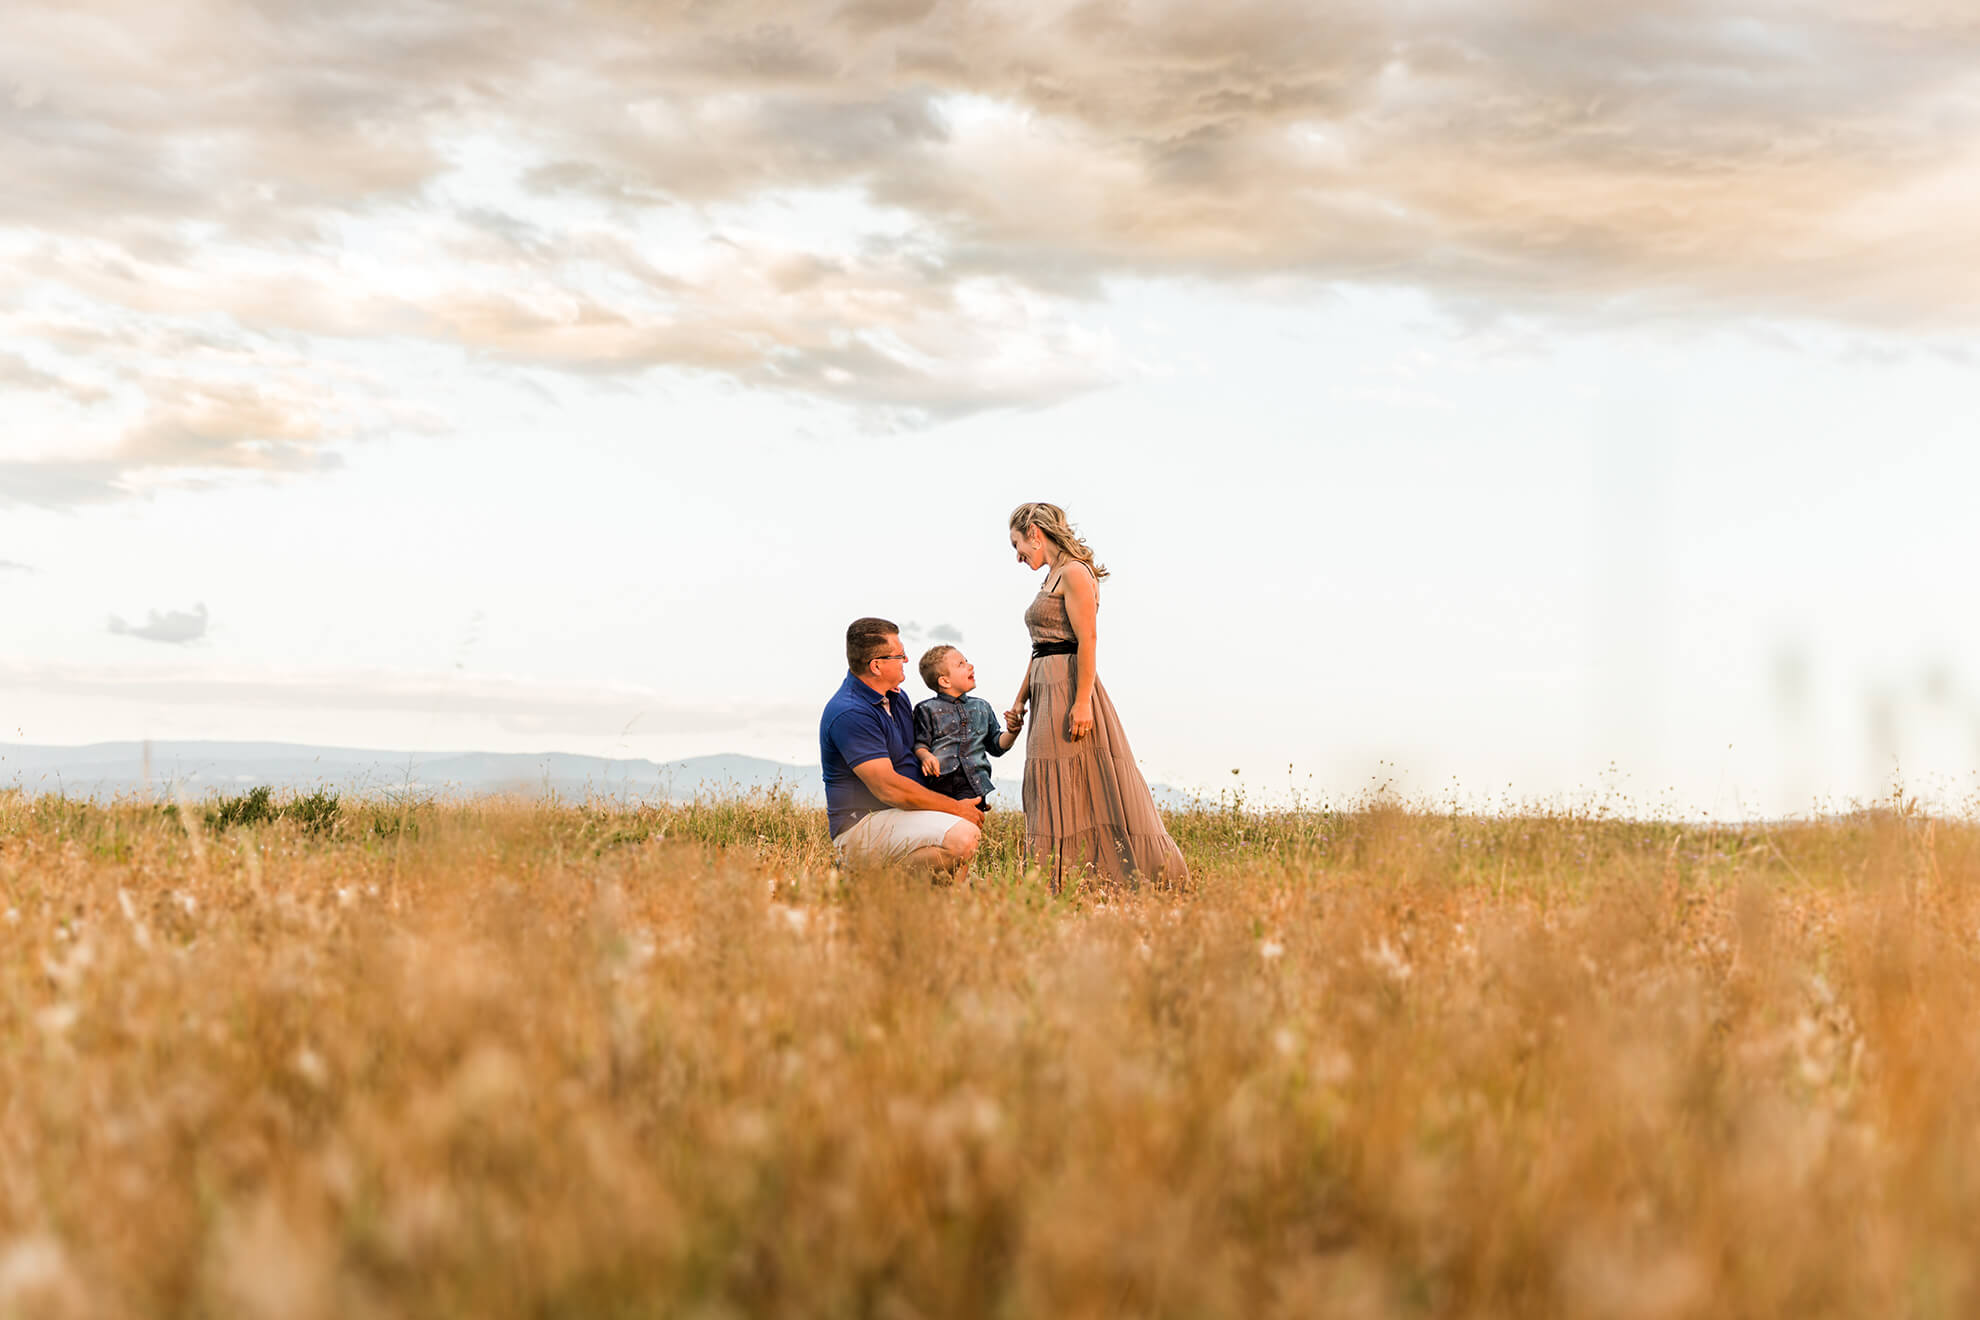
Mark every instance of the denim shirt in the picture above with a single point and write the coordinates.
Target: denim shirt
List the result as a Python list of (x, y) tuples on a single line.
[(963, 733)]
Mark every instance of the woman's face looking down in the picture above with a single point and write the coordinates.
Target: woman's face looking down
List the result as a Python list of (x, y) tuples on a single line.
[(1030, 547)]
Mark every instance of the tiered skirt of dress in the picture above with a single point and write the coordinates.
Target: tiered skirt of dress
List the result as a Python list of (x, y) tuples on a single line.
[(1087, 808)]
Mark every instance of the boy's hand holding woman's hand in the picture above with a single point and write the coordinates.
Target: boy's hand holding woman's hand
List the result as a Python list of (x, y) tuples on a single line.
[(1014, 719)]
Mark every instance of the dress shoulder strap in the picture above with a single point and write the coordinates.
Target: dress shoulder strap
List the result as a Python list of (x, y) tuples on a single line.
[(1065, 568)]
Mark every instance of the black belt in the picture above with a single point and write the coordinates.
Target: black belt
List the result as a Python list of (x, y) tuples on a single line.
[(1041, 649)]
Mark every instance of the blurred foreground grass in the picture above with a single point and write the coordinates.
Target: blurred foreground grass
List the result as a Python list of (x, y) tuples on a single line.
[(502, 1059)]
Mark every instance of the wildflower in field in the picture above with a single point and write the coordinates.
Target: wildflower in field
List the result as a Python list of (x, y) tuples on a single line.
[(57, 1018), (310, 1067), (748, 1129), (1332, 1066), (37, 1279), (138, 931), (1384, 958), (269, 1264), (67, 973)]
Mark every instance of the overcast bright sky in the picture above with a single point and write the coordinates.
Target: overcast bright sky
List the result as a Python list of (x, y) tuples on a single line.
[(1465, 394)]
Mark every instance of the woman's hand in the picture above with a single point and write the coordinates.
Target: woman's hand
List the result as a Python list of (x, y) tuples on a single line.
[(1081, 723), (1014, 718)]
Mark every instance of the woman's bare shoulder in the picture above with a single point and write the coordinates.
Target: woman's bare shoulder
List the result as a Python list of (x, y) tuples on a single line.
[(1084, 575), (1079, 589)]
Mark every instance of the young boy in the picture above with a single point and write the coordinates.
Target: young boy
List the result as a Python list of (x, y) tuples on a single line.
[(955, 734)]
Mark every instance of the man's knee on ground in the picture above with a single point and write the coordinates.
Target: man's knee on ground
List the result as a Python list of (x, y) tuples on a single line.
[(961, 840)]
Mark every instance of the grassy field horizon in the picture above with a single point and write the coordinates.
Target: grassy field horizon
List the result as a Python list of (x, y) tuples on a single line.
[(303, 1055)]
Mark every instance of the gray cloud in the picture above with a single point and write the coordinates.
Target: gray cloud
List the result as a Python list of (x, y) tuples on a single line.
[(58, 484), (174, 627), (17, 373), (945, 632), (984, 170), (12, 566)]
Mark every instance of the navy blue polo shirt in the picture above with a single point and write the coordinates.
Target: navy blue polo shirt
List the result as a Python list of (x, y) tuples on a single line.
[(859, 725)]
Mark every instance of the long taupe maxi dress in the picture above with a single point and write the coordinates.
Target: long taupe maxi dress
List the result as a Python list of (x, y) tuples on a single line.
[(1085, 803)]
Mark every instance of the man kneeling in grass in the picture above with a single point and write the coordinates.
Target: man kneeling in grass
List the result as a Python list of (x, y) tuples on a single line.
[(879, 807)]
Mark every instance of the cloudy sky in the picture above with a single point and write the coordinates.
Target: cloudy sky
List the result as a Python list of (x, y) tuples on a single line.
[(1521, 398)]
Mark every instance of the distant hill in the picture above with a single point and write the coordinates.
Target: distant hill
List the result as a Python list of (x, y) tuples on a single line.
[(110, 770)]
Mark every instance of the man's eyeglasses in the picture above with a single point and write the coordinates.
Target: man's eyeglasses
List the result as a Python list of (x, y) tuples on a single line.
[(901, 658)]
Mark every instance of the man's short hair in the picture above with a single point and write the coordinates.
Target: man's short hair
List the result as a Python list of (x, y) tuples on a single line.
[(931, 665), (866, 639)]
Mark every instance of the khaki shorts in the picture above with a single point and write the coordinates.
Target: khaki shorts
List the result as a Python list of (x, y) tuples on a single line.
[(890, 835)]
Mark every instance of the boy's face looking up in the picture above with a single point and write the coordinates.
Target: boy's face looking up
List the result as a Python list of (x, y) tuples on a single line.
[(957, 677)]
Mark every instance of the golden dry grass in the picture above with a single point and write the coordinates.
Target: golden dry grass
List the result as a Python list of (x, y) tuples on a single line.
[(512, 1060)]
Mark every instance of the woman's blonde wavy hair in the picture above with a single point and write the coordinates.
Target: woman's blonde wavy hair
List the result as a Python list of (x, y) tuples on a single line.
[(1051, 520)]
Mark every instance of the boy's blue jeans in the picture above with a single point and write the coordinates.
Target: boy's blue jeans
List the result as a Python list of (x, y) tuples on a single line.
[(956, 785)]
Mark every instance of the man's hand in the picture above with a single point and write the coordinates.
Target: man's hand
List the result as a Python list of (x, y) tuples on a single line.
[(929, 765), (897, 790)]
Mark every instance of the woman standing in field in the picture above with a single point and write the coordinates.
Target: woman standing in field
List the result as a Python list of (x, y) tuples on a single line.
[(1086, 805)]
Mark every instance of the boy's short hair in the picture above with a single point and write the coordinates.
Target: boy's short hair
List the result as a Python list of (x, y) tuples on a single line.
[(865, 639), (931, 665)]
